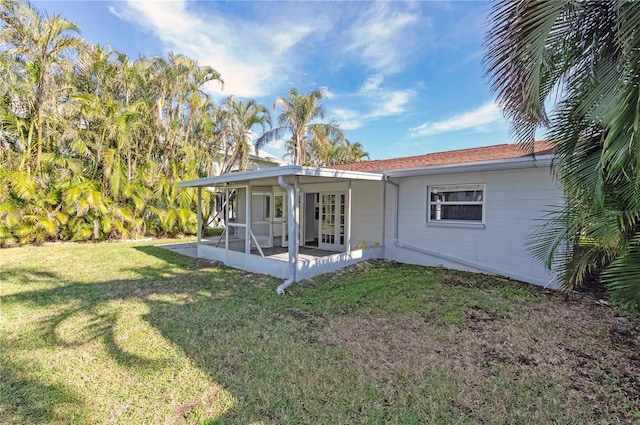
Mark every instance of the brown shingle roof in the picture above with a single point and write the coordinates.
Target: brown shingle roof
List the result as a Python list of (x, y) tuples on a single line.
[(485, 153)]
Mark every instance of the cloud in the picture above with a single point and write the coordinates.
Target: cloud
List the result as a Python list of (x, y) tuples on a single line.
[(250, 63), (277, 144), (382, 37), (348, 119), (260, 48), (392, 103), (479, 119), (372, 83), (388, 103)]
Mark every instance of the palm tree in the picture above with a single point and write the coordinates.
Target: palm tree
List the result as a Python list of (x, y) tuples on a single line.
[(109, 137), (42, 45), (297, 119), (239, 118), (325, 149), (349, 153), (584, 59)]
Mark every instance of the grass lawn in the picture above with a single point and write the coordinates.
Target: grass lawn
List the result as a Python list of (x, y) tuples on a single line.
[(131, 333)]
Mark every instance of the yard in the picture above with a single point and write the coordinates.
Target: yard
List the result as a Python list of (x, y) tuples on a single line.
[(131, 333)]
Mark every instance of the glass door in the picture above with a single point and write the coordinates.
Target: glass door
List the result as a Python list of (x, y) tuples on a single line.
[(332, 221)]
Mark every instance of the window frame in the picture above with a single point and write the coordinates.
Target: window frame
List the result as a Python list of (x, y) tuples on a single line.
[(457, 188)]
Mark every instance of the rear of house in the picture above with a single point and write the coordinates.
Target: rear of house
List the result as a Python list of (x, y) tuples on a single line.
[(471, 209)]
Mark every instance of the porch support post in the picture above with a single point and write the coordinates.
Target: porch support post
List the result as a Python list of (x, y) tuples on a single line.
[(384, 216), (247, 229), (227, 197), (199, 214), (348, 217), (293, 258), (297, 218)]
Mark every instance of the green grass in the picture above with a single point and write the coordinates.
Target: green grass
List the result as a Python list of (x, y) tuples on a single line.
[(131, 333), (213, 231)]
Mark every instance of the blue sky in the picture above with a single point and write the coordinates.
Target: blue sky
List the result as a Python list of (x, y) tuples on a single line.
[(403, 78)]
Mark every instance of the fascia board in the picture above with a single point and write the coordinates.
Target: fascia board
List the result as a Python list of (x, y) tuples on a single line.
[(289, 170), (470, 167)]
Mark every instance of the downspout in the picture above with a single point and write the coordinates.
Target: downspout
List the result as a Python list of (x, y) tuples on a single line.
[(292, 230), (384, 216), (436, 254)]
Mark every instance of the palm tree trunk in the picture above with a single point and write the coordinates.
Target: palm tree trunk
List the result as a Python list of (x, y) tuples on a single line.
[(27, 150), (39, 154)]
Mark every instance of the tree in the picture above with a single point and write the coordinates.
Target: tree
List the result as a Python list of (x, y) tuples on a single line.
[(238, 118), (42, 46), (299, 111), (349, 152), (587, 56), (325, 150), (108, 137)]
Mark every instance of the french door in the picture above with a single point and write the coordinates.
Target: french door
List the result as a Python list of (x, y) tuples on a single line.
[(333, 215)]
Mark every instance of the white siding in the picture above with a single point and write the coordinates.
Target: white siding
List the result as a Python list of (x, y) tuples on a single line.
[(367, 214), (515, 203)]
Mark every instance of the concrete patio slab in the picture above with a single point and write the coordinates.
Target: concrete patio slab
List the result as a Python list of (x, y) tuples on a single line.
[(189, 249)]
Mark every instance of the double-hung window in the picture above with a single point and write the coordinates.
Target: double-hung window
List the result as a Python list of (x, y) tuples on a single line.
[(462, 203)]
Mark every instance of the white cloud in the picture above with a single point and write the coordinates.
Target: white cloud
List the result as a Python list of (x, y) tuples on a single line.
[(370, 102), (250, 63), (479, 119), (348, 119), (392, 103), (388, 103), (372, 83), (383, 36)]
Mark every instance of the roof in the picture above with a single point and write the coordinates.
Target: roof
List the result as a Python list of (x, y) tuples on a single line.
[(487, 158), (268, 176), (460, 156)]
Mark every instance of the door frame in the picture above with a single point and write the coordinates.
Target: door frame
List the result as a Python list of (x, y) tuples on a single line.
[(336, 245)]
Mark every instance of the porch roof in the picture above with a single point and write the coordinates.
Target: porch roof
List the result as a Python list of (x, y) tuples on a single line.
[(269, 176)]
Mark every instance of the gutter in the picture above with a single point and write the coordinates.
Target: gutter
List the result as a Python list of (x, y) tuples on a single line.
[(293, 257), (436, 254)]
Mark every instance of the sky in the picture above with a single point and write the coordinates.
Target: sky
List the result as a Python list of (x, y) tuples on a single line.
[(402, 78)]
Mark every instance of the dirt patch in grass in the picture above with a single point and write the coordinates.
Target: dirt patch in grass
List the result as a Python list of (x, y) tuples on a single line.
[(580, 346)]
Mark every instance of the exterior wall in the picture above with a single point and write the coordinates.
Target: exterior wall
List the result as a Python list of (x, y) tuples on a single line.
[(240, 260), (367, 213), (515, 203), (306, 269), (261, 164)]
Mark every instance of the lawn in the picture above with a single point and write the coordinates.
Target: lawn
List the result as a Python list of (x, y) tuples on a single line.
[(131, 333)]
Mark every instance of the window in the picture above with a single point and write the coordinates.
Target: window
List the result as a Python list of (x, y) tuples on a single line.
[(278, 204), (267, 207), (260, 207), (456, 203)]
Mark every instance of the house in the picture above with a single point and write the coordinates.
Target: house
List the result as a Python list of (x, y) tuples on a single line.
[(262, 159), (470, 209)]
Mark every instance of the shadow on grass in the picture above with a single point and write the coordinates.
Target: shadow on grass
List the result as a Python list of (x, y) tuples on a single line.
[(238, 333), (24, 395), (74, 314), (26, 275), (264, 349)]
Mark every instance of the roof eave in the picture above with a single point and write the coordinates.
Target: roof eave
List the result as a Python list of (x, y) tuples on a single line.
[(469, 167), (288, 170)]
